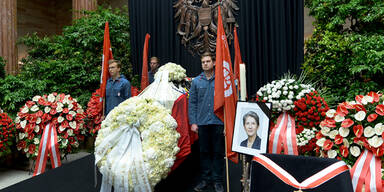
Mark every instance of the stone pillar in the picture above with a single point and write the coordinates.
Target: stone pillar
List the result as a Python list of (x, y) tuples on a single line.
[(78, 7), (8, 34)]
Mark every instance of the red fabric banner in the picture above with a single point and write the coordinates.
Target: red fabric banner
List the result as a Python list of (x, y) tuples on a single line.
[(238, 60), (225, 90), (187, 136), (144, 71), (107, 55)]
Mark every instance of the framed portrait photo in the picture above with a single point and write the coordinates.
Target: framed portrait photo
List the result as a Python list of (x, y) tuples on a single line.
[(250, 135)]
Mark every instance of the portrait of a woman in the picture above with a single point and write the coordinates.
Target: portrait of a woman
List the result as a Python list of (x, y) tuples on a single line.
[(251, 125)]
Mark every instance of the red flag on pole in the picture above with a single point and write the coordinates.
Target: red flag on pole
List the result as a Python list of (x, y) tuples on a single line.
[(238, 60), (144, 71), (225, 91), (107, 55)]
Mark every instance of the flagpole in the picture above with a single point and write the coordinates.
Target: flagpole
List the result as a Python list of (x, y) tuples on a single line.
[(226, 155)]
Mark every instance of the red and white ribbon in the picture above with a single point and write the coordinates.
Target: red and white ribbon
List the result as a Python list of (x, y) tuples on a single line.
[(284, 135), (48, 144), (312, 182), (367, 170)]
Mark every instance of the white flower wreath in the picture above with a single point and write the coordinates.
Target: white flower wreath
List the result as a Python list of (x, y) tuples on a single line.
[(176, 72), (143, 164)]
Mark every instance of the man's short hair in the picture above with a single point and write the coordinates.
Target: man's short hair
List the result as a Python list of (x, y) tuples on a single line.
[(115, 61), (155, 58), (208, 54)]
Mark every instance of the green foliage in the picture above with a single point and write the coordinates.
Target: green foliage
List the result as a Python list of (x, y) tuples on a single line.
[(15, 92), (346, 52), (71, 63), (2, 68)]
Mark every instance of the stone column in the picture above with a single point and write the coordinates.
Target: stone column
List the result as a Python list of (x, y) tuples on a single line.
[(79, 6), (8, 34)]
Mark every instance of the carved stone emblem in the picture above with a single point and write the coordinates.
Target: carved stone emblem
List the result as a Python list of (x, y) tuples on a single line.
[(197, 23)]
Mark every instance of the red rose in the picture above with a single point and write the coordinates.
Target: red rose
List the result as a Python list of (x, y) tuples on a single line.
[(65, 110), (31, 136), (372, 117), (39, 113)]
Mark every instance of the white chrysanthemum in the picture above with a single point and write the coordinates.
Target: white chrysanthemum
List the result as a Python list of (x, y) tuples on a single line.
[(375, 141), (360, 115), (369, 131), (157, 130), (355, 151), (331, 153), (176, 72)]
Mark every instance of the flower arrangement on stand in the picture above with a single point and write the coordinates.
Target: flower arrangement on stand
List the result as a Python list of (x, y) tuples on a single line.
[(175, 72), (7, 134), (56, 116), (354, 133), (282, 94), (309, 111), (142, 127), (94, 113)]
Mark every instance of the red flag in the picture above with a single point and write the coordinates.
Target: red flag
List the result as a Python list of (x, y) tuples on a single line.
[(107, 55), (237, 59), (225, 90), (144, 71)]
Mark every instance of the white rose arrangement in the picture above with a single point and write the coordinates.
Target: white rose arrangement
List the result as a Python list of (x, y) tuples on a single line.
[(283, 93)]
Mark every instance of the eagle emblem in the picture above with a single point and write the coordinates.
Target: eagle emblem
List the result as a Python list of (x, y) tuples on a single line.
[(197, 23)]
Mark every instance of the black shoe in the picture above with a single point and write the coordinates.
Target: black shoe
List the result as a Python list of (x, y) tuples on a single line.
[(219, 187), (201, 186)]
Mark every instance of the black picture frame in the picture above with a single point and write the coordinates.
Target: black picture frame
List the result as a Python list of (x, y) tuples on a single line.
[(240, 136)]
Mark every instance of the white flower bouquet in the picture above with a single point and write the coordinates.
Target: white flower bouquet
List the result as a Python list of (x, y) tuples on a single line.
[(175, 71), (154, 151)]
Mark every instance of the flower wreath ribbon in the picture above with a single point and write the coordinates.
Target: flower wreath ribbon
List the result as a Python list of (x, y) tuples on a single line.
[(284, 134), (48, 144), (312, 182), (367, 170), (124, 162)]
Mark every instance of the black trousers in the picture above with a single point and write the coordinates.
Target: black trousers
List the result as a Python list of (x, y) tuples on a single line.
[(211, 140)]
